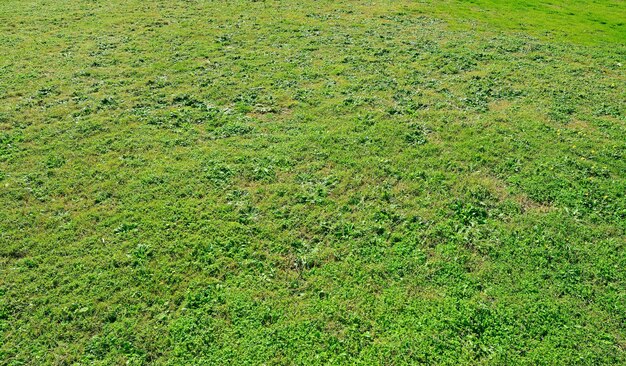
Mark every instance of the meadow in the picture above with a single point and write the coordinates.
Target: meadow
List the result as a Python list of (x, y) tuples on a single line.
[(312, 182)]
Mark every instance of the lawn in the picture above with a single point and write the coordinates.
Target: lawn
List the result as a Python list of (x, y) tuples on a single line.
[(312, 182)]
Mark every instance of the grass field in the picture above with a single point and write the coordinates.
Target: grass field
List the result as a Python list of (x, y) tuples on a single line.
[(312, 182)]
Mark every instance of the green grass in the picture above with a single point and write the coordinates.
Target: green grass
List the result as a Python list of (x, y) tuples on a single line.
[(312, 182), (596, 22)]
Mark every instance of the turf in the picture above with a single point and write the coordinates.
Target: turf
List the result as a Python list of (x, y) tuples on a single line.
[(312, 182)]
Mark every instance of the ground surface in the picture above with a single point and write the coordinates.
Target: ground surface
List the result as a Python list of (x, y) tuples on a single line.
[(299, 182)]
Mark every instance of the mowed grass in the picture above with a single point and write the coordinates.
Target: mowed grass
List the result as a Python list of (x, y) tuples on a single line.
[(312, 182), (590, 22)]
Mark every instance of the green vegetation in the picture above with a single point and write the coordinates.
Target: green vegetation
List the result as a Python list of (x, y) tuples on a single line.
[(312, 182), (591, 22)]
